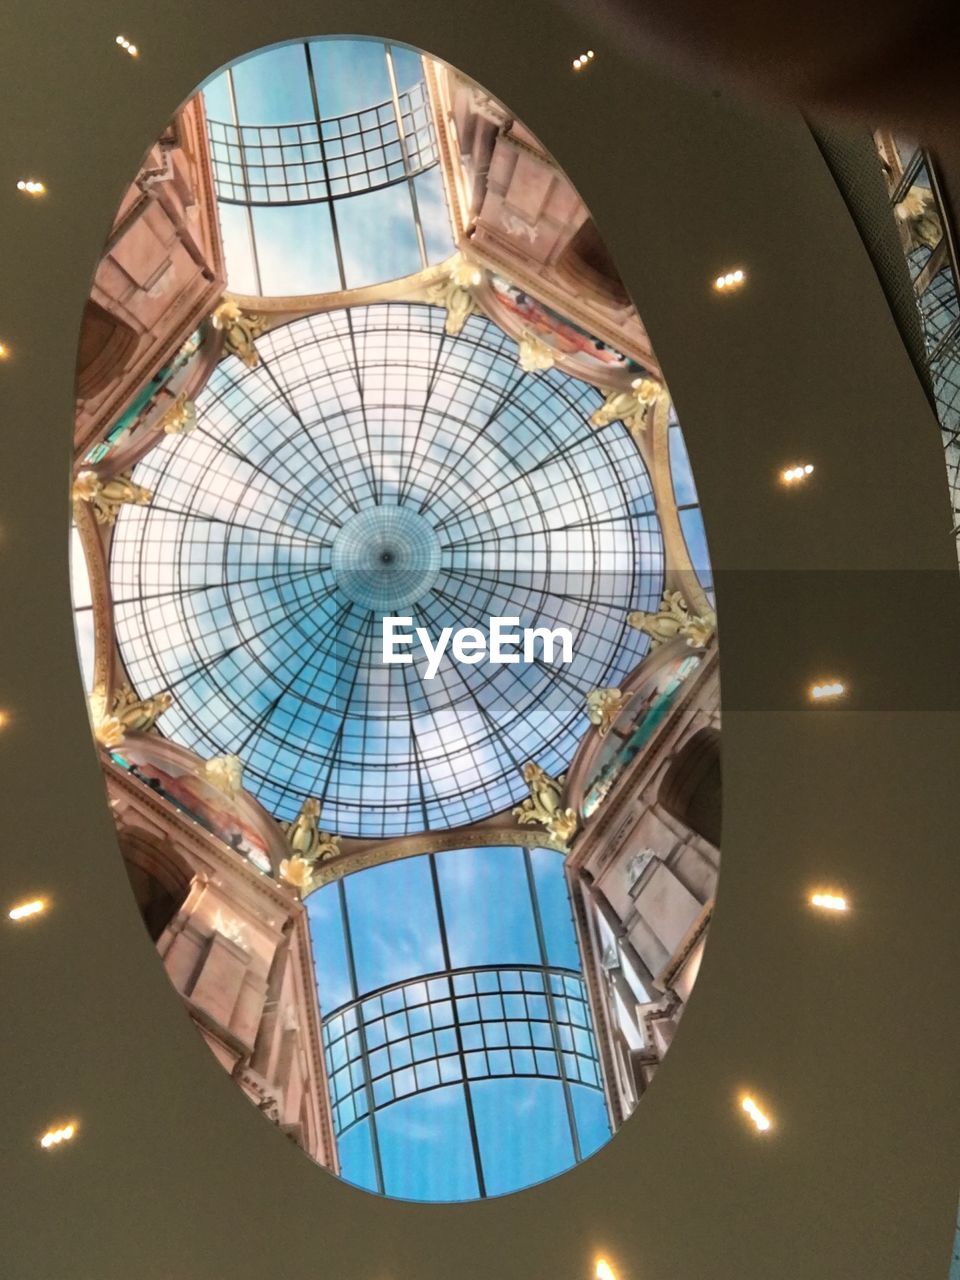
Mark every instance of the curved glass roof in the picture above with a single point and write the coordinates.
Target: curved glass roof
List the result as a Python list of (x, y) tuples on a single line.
[(473, 1023), (326, 167), (373, 463)]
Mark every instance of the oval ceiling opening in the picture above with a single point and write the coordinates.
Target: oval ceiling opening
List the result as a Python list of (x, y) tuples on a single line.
[(395, 614)]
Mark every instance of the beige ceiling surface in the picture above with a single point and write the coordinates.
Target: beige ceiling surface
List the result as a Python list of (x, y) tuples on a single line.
[(849, 1029)]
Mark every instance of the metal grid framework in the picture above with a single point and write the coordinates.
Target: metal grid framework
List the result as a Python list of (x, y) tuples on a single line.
[(225, 594), (323, 161), (458, 1026), (469, 1024), (314, 160), (688, 504), (939, 306)]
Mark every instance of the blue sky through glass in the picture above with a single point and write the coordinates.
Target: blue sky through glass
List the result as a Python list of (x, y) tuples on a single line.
[(328, 151), (688, 505), (227, 593), (452, 1083)]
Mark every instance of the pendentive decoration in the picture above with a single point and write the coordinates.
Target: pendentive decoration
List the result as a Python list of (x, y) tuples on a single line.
[(106, 497), (534, 355), (675, 618), (544, 805), (631, 406), (239, 328), (603, 707), (309, 847), (225, 773), (180, 418), (455, 293), (130, 714)]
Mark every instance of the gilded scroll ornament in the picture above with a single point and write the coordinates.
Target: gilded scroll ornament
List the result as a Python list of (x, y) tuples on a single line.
[(240, 328), (603, 707), (106, 497), (631, 406), (534, 354), (225, 773), (544, 805), (305, 837), (455, 293), (674, 618), (180, 418)]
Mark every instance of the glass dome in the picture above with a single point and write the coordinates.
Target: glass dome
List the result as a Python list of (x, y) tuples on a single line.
[(373, 464)]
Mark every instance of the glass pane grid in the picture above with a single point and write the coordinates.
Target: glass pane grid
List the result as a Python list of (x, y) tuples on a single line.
[(225, 591), (361, 151), (476, 1024)]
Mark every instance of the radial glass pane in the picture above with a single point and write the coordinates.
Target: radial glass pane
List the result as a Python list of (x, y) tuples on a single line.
[(434, 215), (470, 879), (378, 237), (556, 914), (443, 1168), (295, 249), (254, 585), (355, 1149), (334, 987), (238, 249), (508, 1114), (351, 75), (393, 923), (272, 87)]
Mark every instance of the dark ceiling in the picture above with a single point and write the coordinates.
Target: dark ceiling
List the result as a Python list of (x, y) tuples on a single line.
[(849, 1029)]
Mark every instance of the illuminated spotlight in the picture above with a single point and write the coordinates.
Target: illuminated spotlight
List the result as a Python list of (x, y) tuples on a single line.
[(824, 692), (25, 910), (792, 474), (4, 351), (124, 43), (730, 280), (761, 1121), (54, 1137), (30, 187), (581, 62), (829, 901), (604, 1270)]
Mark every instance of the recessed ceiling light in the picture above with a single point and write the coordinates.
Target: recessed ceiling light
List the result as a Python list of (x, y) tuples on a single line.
[(829, 901), (761, 1121), (827, 690), (730, 280), (25, 910), (62, 1133), (604, 1271), (791, 475), (4, 351)]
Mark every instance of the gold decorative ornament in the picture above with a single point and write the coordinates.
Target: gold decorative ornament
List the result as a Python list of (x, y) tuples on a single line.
[(603, 707), (305, 837), (454, 292), (674, 618), (139, 715), (179, 419), (225, 773), (630, 406), (534, 355), (544, 804), (106, 497), (298, 873), (918, 217), (239, 329), (109, 732)]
